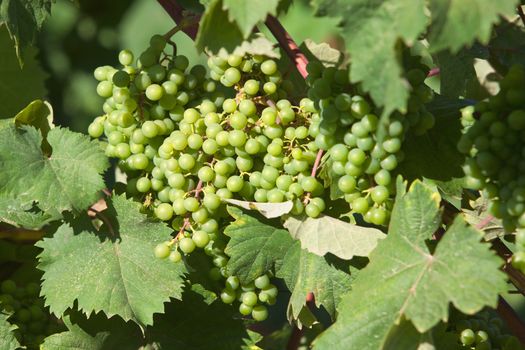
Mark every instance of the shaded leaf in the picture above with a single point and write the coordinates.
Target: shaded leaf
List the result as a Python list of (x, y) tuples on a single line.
[(322, 52), (254, 246), (329, 235), (18, 86), (404, 279), (24, 214), (304, 272), (216, 31), (111, 270), (456, 23)]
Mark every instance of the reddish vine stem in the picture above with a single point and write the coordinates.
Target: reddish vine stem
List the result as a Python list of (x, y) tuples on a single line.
[(433, 72), (288, 44), (514, 323)]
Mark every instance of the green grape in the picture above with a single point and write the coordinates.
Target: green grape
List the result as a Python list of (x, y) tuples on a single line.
[(186, 245), (228, 296), (175, 256), (312, 210), (232, 282), (164, 211), (251, 87), (162, 250), (8, 287), (249, 298), (191, 204), (143, 184), (245, 309), (262, 282), (121, 79), (346, 183), (105, 89), (200, 238), (260, 313)]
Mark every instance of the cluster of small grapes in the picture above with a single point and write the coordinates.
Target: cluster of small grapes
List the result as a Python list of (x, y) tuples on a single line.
[(495, 150), (363, 151), (32, 319), (185, 150), (485, 331)]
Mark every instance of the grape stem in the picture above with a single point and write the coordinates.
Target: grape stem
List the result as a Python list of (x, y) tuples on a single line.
[(177, 13), (433, 72), (186, 222), (104, 218), (288, 45)]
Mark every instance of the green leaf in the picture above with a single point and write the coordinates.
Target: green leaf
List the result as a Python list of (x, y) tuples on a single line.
[(257, 44), (456, 72), (8, 340), (329, 235), (304, 272), (372, 31), (268, 210), (18, 86), (254, 246), (405, 279), (507, 45), (113, 269), (456, 23), (68, 179), (23, 214), (216, 31), (24, 18), (247, 14), (434, 155), (405, 336), (193, 324), (478, 214)]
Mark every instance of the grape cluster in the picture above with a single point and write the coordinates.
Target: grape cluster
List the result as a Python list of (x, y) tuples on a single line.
[(364, 152), (28, 313), (484, 331), (495, 149)]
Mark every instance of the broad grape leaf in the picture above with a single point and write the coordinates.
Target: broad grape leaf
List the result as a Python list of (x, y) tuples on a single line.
[(255, 246), (268, 210), (256, 45), (24, 18), (372, 30), (405, 336), (113, 269), (19, 85), (456, 72), (405, 279), (329, 235), (8, 340), (216, 31), (68, 179), (247, 14), (304, 272), (456, 23)]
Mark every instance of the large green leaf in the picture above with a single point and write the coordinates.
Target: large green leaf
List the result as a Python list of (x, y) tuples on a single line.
[(329, 235), (304, 272), (405, 336), (247, 14), (216, 31), (67, 179), (255, 246), (371, 30), (23, 214), (405, 279), (113, 269), (8, 340), (18, 86), (455, 23)]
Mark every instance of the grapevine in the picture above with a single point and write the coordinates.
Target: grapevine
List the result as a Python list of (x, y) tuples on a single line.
[(239, 190)]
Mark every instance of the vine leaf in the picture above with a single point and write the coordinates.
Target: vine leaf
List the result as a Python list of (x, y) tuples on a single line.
[(372, 31), (8, 340), (216, 31), (329, 235), (247, 14), (405, 336), (322, 52), (23, 18), (404, 279), (111, 270), (268, 210), (24, 214), (68, 179), (304, 272), (456, 23), (255, 246), (19, 85)]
